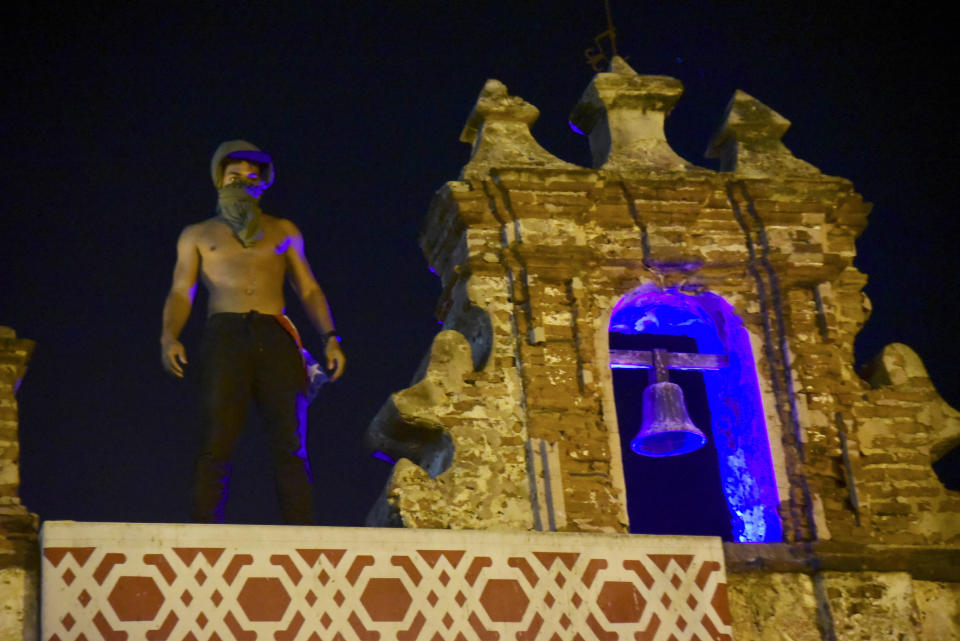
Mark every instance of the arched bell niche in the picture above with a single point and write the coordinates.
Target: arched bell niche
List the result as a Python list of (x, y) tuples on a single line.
[(728, 487)]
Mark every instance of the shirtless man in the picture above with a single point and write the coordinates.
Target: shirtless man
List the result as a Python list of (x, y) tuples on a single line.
[(249, 351)]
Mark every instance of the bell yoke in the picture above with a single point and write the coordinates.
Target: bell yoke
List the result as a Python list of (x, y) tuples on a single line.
[(666, 428)]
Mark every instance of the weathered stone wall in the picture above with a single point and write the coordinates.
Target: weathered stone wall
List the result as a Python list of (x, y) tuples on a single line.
[(902, 426), (579, 251), (18, 528), (843, 606), (475, 440), (773, 607), (534, 253)]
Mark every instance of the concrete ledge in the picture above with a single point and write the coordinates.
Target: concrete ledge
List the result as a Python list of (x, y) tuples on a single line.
[(168, 581), (922, 563)]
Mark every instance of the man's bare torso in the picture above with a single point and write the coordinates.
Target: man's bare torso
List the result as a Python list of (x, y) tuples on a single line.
[(243, 279), (238, 278)]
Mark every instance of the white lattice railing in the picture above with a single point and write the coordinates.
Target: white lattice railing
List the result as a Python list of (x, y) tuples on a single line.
[(159, 582)]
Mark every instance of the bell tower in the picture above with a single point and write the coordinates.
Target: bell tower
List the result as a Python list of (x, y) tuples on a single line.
[(541, 260), (549, 270)]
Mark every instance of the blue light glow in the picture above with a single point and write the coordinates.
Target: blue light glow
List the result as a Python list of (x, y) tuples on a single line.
[(383, 456), (739, 426)]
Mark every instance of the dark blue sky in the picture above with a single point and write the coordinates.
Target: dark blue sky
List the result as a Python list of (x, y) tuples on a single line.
[(110, 118)]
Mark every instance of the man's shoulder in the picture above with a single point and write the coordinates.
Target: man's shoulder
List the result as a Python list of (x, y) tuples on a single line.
[(200, 229), (282, 224)]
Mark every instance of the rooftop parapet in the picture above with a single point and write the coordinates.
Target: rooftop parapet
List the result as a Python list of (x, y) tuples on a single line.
[(623, 113)]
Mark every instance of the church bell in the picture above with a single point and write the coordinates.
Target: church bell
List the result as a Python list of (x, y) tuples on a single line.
[(666, 428)]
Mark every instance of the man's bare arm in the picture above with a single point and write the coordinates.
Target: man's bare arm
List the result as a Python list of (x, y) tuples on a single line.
[(176, 309), (311, 296)]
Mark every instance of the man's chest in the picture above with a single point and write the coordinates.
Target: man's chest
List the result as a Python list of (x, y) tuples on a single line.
[(222, 253)]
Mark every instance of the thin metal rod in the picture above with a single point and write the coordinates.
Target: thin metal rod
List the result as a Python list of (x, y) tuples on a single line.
[(613, 33)]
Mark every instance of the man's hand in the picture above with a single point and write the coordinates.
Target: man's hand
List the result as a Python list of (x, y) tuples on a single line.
[(174, 357), (336, 361)]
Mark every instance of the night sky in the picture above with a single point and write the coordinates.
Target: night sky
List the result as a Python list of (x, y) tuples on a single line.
[(110, 118)]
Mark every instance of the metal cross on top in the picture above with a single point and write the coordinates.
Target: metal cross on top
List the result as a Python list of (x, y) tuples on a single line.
[(666, 428)]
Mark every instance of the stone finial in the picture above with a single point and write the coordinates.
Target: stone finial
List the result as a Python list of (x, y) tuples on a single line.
[(498, 128), (623, 114), (749, 141)]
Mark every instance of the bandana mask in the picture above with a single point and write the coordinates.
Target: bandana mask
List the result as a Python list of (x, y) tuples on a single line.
[(238, 204)]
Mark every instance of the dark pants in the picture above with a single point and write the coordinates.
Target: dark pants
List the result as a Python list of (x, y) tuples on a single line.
[(244, 358)]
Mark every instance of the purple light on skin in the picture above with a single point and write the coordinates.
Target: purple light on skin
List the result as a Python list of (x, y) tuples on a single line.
[(576, 129), (384, 457), (739, 426), (432, 270), (284, 246)]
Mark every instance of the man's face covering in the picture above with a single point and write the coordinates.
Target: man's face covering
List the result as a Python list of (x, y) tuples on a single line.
[(238, 204)]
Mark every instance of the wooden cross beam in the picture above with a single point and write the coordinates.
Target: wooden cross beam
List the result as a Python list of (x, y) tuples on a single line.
[(660, 360)]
